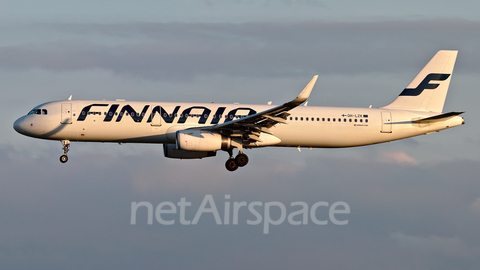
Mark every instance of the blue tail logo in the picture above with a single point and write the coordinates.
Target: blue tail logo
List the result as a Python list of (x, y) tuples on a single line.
[(425, 84)]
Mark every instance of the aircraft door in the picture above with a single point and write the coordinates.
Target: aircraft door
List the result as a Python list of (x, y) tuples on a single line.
[(386, 122), (66, 113)]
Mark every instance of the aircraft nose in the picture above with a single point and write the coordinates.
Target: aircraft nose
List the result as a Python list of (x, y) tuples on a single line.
[(19, 125)]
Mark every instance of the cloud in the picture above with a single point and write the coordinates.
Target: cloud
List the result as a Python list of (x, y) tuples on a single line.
[(57, 215), (268, 2), (398, 157), (476, 205), (182, 51), (448, 246)]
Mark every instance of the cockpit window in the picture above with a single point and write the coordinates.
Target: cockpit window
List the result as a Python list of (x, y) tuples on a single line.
[(38, 111)]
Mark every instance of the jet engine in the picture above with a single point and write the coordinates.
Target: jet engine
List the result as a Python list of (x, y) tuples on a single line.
[(171, 151), (201, 140)]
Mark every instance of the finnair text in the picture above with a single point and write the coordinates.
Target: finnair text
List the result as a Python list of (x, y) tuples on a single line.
[(274, 212)]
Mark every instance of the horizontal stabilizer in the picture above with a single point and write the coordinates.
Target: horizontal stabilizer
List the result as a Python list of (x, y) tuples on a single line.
[(436, 118)]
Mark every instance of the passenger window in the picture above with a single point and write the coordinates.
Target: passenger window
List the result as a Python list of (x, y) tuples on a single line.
[(333, 119), (366, 120)]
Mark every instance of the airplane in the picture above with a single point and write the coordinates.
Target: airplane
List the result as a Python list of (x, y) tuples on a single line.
[(199, 130)]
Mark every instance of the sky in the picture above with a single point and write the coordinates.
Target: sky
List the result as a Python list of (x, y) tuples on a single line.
[(414, 203)]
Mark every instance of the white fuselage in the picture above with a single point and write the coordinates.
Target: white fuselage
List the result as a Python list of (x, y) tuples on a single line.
[(199, 130), (151, 122)]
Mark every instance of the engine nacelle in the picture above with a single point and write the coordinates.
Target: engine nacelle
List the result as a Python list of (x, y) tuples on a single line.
[(201, 140), (171, 151)]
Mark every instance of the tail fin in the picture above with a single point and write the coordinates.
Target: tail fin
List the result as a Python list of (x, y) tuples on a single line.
[(422, 94)]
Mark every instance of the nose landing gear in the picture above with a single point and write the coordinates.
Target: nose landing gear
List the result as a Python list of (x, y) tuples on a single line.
[(66, 145)]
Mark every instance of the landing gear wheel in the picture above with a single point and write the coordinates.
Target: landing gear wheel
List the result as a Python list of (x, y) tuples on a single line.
[(63, 158), (231, 165), (66, 145), (241, 160)]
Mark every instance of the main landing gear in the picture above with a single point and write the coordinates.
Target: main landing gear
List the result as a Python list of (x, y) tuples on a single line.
[(66, 145), (239, 161)]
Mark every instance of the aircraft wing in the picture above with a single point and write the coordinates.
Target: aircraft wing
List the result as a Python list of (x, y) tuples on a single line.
[(255, 124)]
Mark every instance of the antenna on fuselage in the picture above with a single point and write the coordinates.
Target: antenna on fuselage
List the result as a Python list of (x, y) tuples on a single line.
[(70, 98)]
